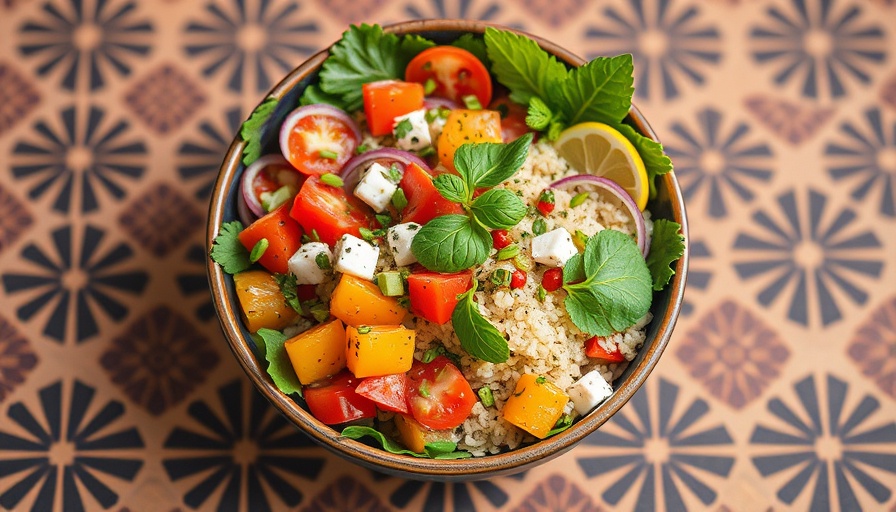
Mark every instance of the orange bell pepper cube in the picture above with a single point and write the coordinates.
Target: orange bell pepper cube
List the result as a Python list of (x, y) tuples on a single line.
[(262, 304), (284, 236), (359, 302), (387, 99), (465, 126), (433, 295), (371, 351), (535, 405), (318, 352), (424, 201)]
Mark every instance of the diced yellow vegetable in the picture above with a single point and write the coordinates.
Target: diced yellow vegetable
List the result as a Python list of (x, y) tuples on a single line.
[(535, 405), (359, 302), (262, 304), (410, 433), (318, 352), (372, 351)]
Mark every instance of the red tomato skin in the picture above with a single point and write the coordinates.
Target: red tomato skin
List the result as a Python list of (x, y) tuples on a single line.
[(305, 158), (433, 295), (449, 397), (330, 211), (594, 350), (387, 99), (424, 201), (334, 400), (545, 207), (552, 279), (501, 238), (518, 279), (456, 72), (388, 392), (284, 238), (513, 118)]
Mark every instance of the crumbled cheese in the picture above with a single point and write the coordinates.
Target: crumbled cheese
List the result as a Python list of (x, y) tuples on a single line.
[(308, 265), (412, 131), (399, 238), (553, 248), (375, 187), (356, 257)]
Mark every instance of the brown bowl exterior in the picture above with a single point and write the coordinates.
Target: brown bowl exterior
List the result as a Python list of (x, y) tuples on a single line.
[(666, 304)]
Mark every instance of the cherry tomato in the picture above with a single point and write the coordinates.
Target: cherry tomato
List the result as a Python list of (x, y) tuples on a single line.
[(439, 396), (283, 235), (334, 400), (455, 71), (518, 279), (552, 279), (546, 202), (595, 350), (389, 392), (463, 126), (513, 118), (275, 174), (387, 99), (501, 238), (424, 201), (330, 212), (319, 139)]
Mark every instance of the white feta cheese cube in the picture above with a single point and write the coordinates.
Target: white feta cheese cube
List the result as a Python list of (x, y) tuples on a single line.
[(436, 126), (399, 238), (589, 391), (311, 263), (375, 188), (553, 248), (412, 131), (356, 257)]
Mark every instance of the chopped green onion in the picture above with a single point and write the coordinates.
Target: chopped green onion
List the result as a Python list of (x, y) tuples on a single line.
[(501, 277), (331, 180), (540, 380), (433, 353), (322, 260), (429, 86), (364, 329), (424, 388), (366, 234), (320, 311), (523, 262), (472, 102), (542, 293), (384, 219), (580, 239), (578, 199), (258, 250), (394, 173), (486, 396), (362, 148), (539, 226), (329, 155), (399, 200), (403, 128), (427, 151), (271, 200), (390, 283), (508, 252)]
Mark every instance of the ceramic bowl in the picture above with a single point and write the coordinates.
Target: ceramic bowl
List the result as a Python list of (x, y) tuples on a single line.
[(666, 304)]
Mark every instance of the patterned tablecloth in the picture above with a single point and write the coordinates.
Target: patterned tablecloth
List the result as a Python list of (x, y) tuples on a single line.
[(118, 392)]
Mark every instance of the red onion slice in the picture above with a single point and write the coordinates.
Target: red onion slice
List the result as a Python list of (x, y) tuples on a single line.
[(321, 110), (614, 191), (247, 187), (433, 101), (351, 172)]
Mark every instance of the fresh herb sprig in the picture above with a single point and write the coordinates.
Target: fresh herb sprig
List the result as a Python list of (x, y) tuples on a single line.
[(434, 450), (477, 335), (228, 251), (667, 246), (253, 128), (279, 366)]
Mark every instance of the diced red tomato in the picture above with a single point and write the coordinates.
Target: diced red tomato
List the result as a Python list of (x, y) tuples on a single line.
[(439, 396), (306, 292), (424, 201), (518, 279), (284, 236), (389, 392), (334, 400), (455, 71), (594, 350), (387, 99), (546, 202), (330, 211), (513, 118), (433, 296), (501, 238), (320, 140), (552, 279)]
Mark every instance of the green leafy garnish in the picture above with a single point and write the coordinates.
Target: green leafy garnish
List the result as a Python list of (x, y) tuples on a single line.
[(435, 450), (477, 335), (600, 90), (539, 115), (486, 396), (258, 250), (475, 45), (656, 163), (279, 366), (289, 289), (489, 164), (521, 65), (498, 208), (666, 246), (251, 130), (403, 128), (228, 251), (562, 424), (451, 243), (609, 287)]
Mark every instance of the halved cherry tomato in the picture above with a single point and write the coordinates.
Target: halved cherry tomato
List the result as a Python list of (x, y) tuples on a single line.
[(284, 236), (456, 73), (501, 238), (518, 279), (387, 99), (275, 173), (389, 392), (319, 139), (334, 400), (552, 279), (546, 202), (439, 396), (513, 118), (464, 126), (424, 201), (595, 350), (330, 211), (433, 296)]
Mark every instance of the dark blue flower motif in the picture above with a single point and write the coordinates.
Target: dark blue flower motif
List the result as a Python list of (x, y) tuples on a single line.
[(866, 157), (87, 155), (812, 253), (464, 9), (669, 44), (699, 273), (437, 492), (823, 42), (655, 445), (81, 275), (85, 40), (194, 284), (723, 161), (251, 42), (73, 446), (831, 439), (244, 445), (199, 158)]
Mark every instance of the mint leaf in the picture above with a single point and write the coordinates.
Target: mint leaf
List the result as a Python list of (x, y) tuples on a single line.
[(574, 269), (666, 246), (279, 366), (253, 128), (655, 161), (521, 65), (601, 90), (539, 115), (488, 164), (499, 208), (434, 450), (228, 251), (452, 188), (474, 45), (617, 289), (476, 334), (451, 243)]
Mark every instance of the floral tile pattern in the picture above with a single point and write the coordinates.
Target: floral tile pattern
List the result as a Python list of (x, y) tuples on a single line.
[(346, 493), (17, 358), (15, 219), (18, 97), (873, 347), (793, 122), (161, 219), (165, 98), (557, 493)]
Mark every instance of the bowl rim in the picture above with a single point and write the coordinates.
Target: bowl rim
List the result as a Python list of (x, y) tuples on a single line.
[(376, 458)]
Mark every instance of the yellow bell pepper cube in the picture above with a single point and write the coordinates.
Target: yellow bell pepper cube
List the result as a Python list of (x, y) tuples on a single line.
[(262, 304), (415, 436), (535, 405), (318, 352), (359, 302), (372, 351)]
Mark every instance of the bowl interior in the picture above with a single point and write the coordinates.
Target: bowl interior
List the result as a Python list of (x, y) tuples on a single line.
[(665, 308)]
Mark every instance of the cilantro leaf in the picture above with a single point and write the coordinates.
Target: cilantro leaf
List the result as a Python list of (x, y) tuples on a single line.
[(475, 45), (655, 161), (253, 128), (476, 334), (499, 208), (279, 366), (452, 188), (289, 289), (666, 246), (228, 251), (521, 65), (601, 90), (433, 450), (488, 164), (451, 243)]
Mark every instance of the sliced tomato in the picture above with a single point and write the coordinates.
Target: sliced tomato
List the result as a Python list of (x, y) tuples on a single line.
[(455, 71), (594, 350), (434, 296), (330, 212), (387, 99), (465, 126), (284, 236), (334, 400), (513, 118), (388, 392), (424, 201), (439, 396), (319, 139)]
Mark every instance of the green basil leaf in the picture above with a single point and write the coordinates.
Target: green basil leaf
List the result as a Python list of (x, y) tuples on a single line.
[(477, 335), (521, 65), (279, 366), (666, 246), (451, 243), (499, 208), (452, 188), (601, 90), (488, 164)]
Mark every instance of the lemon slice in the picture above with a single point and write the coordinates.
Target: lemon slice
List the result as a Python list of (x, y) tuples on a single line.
[(599, 149)]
